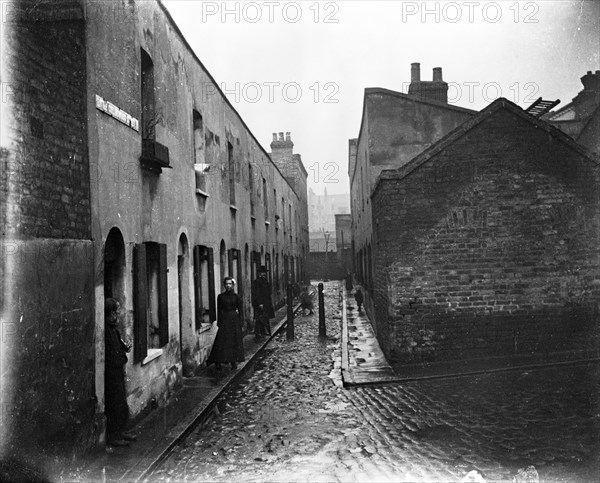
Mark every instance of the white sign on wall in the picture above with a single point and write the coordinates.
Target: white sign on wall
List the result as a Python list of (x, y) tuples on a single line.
[(119, 114)]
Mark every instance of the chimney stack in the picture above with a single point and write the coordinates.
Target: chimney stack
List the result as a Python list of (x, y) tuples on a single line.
[(282, 154), (415, 72), (437, 74), (281, 142), (591, 82)]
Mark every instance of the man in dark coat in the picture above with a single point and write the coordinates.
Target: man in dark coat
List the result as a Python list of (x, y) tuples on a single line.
[(348, 281), (116, 409), (358, 296), (262, 304)]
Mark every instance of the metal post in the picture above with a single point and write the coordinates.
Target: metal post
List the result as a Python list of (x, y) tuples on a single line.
[(322, 329), (290, 313)]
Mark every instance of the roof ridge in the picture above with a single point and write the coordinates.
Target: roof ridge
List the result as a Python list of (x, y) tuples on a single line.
[(464, 128)]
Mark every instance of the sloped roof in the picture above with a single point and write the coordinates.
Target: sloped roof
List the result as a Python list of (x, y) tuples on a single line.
[(463, 129), (432, 102)]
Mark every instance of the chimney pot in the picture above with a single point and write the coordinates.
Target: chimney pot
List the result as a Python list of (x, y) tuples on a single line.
[(287, 136), (437, 74), (589, 72), (281, 136), (274, 136), (598, 72), (415, 72)]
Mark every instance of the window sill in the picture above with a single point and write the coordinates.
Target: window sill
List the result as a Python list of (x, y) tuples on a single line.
[(202, 193), (205, 328), (253, 218), (268, 223), (152, 354), (233, 207)]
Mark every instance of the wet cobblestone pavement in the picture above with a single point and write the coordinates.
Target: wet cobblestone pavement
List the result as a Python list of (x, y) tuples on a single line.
[(290, 420)]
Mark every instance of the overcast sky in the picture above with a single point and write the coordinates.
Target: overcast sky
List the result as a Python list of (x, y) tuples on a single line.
[(303, 66)]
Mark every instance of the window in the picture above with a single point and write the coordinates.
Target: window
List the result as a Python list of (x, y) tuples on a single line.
[(154, 156), (183, 288), (268, 265), (149, 118), (151, 327), (231, 165), (200, 165), (156, 278), (256, 262), (265, 200), (273, 276), (198, 137), (235, 268), (246, 262), (277, 286), (362, 194), (222, 262), (204, 285), (275, 211), (369, 268), (283, 214), (251, 180)]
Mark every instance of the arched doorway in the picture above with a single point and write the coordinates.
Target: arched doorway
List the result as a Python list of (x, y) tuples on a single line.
[(114, 287), (186, 330), (114, 266)]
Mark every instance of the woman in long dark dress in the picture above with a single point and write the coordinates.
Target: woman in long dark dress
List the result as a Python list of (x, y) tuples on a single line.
[(228, 346)]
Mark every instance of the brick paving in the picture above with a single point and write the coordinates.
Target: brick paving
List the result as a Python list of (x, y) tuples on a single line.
[(290, 420)]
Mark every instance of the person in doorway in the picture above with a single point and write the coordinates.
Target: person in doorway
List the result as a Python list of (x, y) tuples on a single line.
[(116, 410), (358, 296), (228, 346), (262, 304)]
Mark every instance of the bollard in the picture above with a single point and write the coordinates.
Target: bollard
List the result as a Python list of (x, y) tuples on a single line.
[(322, 329), (290, 313)]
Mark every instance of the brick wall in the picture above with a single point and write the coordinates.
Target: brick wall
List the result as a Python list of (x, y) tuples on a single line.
[(489, 248), (47, 268), (47, 173), (325, 266), (395, 128)]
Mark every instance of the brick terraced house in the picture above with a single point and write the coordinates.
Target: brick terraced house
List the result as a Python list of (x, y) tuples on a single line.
[(486, 244), (126, 173)]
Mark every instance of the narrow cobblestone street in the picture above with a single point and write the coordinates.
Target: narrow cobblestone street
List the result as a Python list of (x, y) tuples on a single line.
[(290, 420)]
